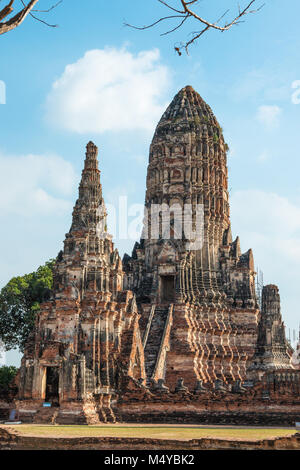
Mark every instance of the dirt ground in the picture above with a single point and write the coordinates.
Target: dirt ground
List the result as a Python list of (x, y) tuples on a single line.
[(152, 431)]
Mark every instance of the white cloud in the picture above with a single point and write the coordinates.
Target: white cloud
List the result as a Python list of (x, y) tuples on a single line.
[(269, 115), (35, 184), (109, 90), (270, 225), (266, 213)]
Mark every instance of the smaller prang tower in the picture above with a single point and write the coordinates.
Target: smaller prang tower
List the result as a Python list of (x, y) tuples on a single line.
[(87, 342), (273, 351)]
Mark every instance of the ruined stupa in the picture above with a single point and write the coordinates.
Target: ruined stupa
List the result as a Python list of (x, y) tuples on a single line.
[(175, 330)]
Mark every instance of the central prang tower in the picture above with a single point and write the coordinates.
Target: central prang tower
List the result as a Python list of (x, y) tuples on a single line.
[(200, 313)]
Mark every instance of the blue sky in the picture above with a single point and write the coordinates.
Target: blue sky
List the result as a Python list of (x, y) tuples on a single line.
[(94, 79)]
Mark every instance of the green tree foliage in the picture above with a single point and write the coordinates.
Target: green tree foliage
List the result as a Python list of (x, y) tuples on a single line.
[(7, 374), (19, 303)]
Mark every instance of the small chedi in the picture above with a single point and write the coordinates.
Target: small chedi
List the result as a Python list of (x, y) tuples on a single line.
[(175, 332), (296, 355)]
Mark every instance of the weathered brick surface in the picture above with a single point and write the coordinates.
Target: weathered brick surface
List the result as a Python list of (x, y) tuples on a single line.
[(175, 328)]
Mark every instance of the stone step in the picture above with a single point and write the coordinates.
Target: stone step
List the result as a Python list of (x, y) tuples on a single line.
[(154, 338), (46, 415)]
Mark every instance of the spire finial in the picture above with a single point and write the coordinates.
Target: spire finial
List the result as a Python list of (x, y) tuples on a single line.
[(91, 156), (91, 150)]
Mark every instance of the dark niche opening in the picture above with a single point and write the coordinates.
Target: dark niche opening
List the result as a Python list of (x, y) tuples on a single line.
[(167, 289), (52, 382)]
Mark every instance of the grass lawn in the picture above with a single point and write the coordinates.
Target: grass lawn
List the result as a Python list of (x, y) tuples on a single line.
[(155, 432)]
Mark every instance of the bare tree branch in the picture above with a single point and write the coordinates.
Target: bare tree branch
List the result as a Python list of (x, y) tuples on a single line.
[(6, 10), (153, 24), (44, 11), (171, 8), (49, 9), (186, 11), (16, 20), (176, 27)]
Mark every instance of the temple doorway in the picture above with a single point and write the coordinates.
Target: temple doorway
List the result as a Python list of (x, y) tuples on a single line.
[(167, 289), (52, 385)]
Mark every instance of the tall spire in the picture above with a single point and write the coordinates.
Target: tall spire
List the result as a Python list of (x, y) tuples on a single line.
[(188, 169), (88, 248), (188, 159), (187, 166), (90, 187), (210, 283), (89, 211)]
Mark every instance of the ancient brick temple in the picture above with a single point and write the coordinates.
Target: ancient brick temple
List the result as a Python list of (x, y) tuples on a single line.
[(175, 332), (87, 338)]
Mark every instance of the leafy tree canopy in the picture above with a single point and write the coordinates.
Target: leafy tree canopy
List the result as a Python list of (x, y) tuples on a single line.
[(19, 303), (7, 374)]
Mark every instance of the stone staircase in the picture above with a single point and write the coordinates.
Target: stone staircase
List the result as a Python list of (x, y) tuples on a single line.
[(145, 289), (46, 415), (154, 339), (105, 411)]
